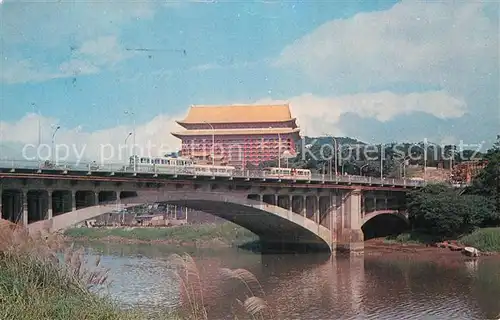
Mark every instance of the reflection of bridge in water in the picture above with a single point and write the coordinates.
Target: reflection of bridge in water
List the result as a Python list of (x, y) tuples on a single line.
[(284, 214)]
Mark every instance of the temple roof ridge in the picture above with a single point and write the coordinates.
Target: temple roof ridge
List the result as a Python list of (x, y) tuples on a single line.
[(238, 113)]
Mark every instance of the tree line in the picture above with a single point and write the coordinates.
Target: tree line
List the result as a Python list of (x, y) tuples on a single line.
[(443, 211), (358, 158)]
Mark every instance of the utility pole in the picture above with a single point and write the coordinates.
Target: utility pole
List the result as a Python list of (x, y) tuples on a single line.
[(133, 137), (381, 161), (213, 143)]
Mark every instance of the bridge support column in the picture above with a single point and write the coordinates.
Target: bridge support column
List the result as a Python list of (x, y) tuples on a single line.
[(1, 205), (304, 206), (96, 198), (49, 204), (316, 209), (351, 239), (73, 200), (25, 208)]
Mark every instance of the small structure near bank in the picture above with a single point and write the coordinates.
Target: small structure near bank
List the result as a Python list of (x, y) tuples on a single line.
[(470, 252), (156, 220)]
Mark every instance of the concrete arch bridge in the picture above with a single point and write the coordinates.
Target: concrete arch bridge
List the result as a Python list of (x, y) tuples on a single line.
[(284, 219)]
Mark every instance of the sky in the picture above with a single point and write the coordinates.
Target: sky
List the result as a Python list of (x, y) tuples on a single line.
[(378, 71)]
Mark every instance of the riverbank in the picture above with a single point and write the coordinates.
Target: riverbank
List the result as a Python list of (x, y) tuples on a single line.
[(36, 283), (486, 240), (43, 278), (200, 236)]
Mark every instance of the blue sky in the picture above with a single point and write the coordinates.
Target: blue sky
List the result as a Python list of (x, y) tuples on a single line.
[(375, 70)]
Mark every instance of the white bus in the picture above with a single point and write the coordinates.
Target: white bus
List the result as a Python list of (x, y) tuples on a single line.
[(163, 165), (209, 170), (288, 173)]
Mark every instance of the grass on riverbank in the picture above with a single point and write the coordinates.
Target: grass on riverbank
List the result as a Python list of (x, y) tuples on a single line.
[(43, 279), (39, 280), (486, 239), (228, 233), (413, 237)]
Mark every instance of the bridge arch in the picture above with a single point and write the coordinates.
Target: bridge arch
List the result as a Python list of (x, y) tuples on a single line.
[(384, 223), (276, 227)]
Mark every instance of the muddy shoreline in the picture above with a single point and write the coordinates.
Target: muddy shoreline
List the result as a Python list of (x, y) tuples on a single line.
[(378, 248), (373, 248)]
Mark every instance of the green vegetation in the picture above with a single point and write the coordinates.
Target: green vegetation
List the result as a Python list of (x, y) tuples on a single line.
[(413, 237), (487, 239), (356, 154), (228, 233), (42, 279), (487, 183), (36, 284), (439, 212)]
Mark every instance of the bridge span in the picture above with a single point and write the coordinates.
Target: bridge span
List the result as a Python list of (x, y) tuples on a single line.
[(312, 214)]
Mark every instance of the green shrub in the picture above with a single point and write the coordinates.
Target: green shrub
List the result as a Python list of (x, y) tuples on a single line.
[(487, 239)]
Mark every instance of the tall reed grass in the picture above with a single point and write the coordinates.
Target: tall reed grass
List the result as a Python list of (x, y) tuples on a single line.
[(194, 288), (44, 279), (486, 239), (41, 279)]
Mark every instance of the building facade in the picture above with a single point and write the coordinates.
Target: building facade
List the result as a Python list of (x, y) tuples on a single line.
[(464, 172), (241, 134)]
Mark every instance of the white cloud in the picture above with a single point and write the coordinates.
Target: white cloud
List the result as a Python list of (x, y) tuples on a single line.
[(320, 115), (152, 138), (103, 50), (48, 25), (448, 44), (93, 56)]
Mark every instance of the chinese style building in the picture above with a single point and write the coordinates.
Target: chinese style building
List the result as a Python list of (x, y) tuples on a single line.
[(243, 134)]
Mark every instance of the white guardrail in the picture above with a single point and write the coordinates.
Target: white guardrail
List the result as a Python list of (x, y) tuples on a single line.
[(126, 168)]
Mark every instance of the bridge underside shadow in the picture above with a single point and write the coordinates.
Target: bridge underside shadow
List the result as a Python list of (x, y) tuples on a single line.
[(384, 225), (276, 234)]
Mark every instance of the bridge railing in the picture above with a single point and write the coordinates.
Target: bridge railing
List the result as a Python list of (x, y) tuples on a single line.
[(248, 174)]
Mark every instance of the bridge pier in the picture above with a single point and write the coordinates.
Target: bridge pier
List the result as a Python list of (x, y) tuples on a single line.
[(351, 237), (49, 204), (24, 199)]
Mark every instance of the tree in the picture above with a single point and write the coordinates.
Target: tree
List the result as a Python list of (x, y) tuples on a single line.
[(487, 182), (439, 210)]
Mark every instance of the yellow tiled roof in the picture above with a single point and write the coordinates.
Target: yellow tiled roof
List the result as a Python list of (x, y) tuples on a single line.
[(270, 131), (238, 114)]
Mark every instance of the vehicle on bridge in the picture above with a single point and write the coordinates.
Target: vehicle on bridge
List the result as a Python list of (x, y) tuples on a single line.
[(288, 173), (171, 165)]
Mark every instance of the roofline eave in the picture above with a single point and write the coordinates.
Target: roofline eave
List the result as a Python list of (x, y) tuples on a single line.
[(183, 122)]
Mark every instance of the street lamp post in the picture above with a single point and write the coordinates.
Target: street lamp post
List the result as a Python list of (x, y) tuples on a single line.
[(382, 161), (128, 136), (54, 141), (133, 137), (402, 167), (334, 153), (279, 150), (213, 143), (361, 169)]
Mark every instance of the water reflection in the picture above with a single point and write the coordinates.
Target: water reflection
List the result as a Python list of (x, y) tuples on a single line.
[(314, 286)]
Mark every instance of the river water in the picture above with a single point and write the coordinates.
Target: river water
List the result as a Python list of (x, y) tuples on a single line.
[(312, 286)]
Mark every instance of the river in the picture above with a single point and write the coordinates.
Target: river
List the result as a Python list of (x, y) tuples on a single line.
[(312, 286)]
